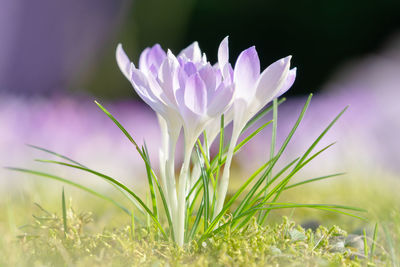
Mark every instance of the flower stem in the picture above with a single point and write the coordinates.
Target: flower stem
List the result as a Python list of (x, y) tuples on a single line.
[(223, 186), (183, 178), (170, 179)]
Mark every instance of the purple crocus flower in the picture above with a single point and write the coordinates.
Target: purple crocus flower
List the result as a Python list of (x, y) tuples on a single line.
[(185, 91)]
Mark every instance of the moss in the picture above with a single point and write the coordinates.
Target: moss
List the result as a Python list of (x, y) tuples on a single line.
[(44, 243)]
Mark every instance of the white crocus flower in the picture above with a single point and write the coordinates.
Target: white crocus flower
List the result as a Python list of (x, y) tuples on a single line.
[(252, 92)]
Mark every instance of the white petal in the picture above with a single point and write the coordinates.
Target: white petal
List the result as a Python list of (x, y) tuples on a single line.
[(143, 60), (246, 74), (288, 83), (192, 52), (271, 81), (221, 100), (167, 74), (123, 61), (223, 53), (143, 89)]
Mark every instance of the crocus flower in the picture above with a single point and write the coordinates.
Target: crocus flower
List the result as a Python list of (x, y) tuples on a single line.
[(186, 91), (252, 92)]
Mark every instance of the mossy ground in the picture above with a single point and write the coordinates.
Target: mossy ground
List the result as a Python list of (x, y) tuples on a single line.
[(100, 235)]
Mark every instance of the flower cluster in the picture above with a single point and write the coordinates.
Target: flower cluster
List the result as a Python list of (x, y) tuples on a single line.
[(188, 92)]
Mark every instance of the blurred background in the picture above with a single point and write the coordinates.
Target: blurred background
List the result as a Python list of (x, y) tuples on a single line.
[(56, 57)]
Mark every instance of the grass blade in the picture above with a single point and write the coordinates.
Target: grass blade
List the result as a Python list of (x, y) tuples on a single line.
[(55, 154), (248, 138), (122, 186), (221, 148), (285, 205), (231, 201), (64, 212), (273, 162), (365, 244), (373, 246), (205, 189), (313, 180), (273, 142), (314, 144), (161, 192), (54, 177), (391, 246), (261, 114), (245, 204), (196, 223), (79, 164), (279, 188), (119, 126), (150, 182), (325, 207)]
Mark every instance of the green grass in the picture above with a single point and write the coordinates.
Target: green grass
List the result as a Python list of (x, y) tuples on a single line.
[(98, 233)]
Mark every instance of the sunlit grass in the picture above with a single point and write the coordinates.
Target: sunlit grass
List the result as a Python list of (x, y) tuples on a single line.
[(105, 237)]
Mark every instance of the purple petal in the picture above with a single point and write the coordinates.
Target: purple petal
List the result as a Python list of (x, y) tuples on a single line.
[(271, 80), (192, 52), (246, 73), (143, 60), (195, 94), (223, 53), (151, 59), (190, 68), (209, 75), (220, 101), (288, 83), (156, 56), (123, 61)]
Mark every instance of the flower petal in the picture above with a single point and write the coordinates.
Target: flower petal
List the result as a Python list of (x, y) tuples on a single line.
[(288, 83), (221, 100), (210, 76), (246, 73), (190, 68), (143, 60), (223, 53), (195, 96), (142, 88), (151, 58), (123, 61), (156, 56), (272, 80), (192, 52), (167, 76)]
